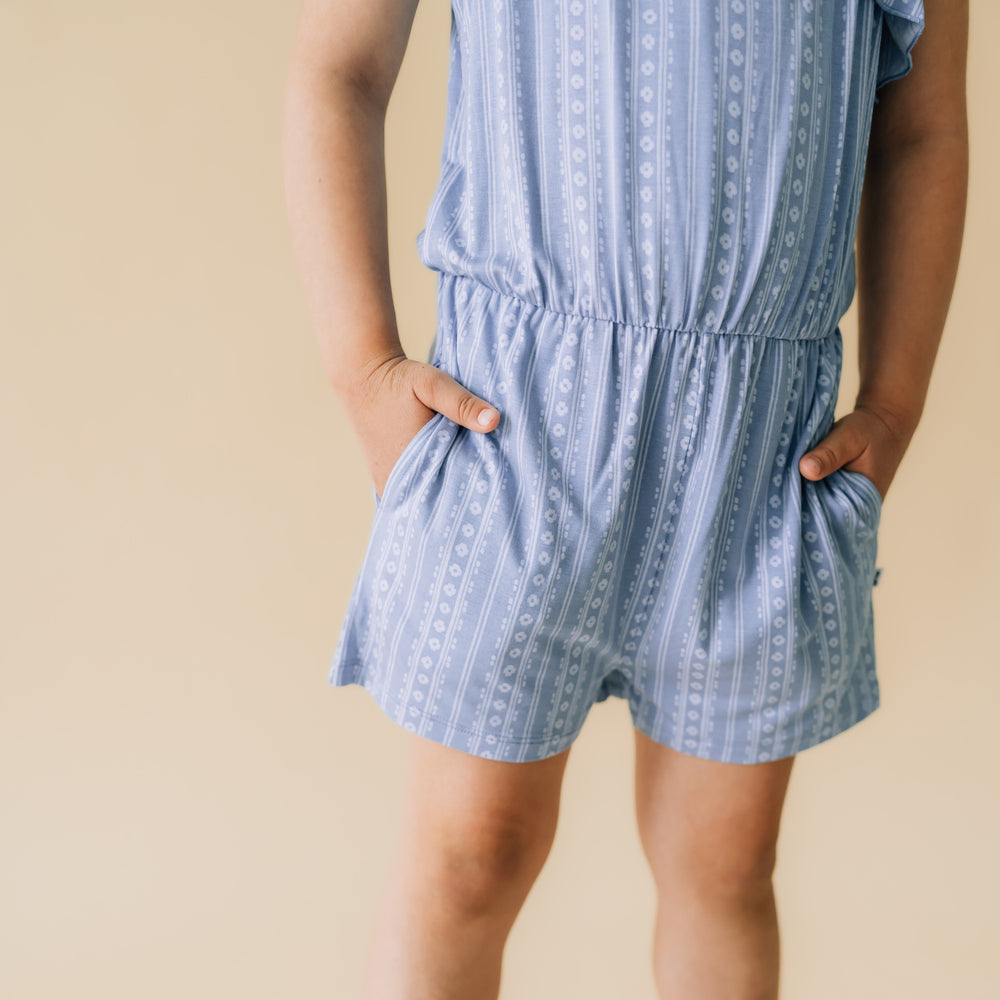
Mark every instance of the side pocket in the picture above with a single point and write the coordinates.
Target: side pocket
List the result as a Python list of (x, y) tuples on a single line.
[(856, 514), (867, 489), (840, 545), (409, 451)]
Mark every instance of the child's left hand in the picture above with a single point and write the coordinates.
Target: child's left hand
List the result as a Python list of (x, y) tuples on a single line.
[(863, 440)]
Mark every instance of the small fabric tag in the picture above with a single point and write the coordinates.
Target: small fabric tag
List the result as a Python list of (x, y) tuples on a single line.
[(878, 573)]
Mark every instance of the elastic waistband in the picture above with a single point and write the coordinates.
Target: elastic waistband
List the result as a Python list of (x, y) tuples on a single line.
[(458, 279)]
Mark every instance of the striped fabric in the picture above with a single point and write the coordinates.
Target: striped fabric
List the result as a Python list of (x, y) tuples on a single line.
[(643, 232)]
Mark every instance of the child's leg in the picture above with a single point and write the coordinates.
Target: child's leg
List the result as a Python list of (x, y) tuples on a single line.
[(474, 836), (709, 831)]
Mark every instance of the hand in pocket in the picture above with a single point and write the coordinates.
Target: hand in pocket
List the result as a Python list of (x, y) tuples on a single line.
[(394, 400), (864, 440)]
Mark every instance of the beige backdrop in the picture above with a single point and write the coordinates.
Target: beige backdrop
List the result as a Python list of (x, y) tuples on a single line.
[(187, 809)]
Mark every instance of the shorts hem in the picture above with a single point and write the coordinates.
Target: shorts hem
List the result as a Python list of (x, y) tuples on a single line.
[(663, 731), (512, 749), (660, 728)]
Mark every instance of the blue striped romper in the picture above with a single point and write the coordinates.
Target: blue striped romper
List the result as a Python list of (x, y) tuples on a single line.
[(644, 237)]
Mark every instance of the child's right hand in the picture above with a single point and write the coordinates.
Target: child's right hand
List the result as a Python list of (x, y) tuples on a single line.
[(397, 398)]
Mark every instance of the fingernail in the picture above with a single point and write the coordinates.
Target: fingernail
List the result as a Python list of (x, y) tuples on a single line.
[(812, 464), (485, 416)]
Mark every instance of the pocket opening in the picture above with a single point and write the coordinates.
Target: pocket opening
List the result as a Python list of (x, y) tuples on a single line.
[(411, 446), (866, 487)]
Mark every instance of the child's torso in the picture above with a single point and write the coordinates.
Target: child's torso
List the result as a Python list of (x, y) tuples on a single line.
[(686, 165)]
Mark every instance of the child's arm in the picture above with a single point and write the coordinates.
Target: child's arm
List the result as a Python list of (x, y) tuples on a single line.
[(910, 230), (343, 66), (345, 59), (912, 218)]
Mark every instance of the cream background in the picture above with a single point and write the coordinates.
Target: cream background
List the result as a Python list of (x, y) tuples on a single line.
[(186, 807)]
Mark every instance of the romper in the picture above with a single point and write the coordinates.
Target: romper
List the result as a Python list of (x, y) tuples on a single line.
[(644, 236)]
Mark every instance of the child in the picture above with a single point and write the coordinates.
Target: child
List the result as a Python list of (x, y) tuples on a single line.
[(618, 473)]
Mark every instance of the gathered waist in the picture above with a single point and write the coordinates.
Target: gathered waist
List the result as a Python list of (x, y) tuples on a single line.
[(811, 331)]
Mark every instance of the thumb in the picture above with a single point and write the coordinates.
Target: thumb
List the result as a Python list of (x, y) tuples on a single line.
[(829, 454), (443, 393)]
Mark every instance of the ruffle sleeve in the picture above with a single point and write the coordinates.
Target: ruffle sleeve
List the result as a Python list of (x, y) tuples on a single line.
[(902, 23)]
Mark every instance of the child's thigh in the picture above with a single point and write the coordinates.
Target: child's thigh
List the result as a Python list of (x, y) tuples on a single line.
[(499, 813), (705, 817)]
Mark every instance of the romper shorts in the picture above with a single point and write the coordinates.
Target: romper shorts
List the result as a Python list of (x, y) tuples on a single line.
[(635, 526)]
